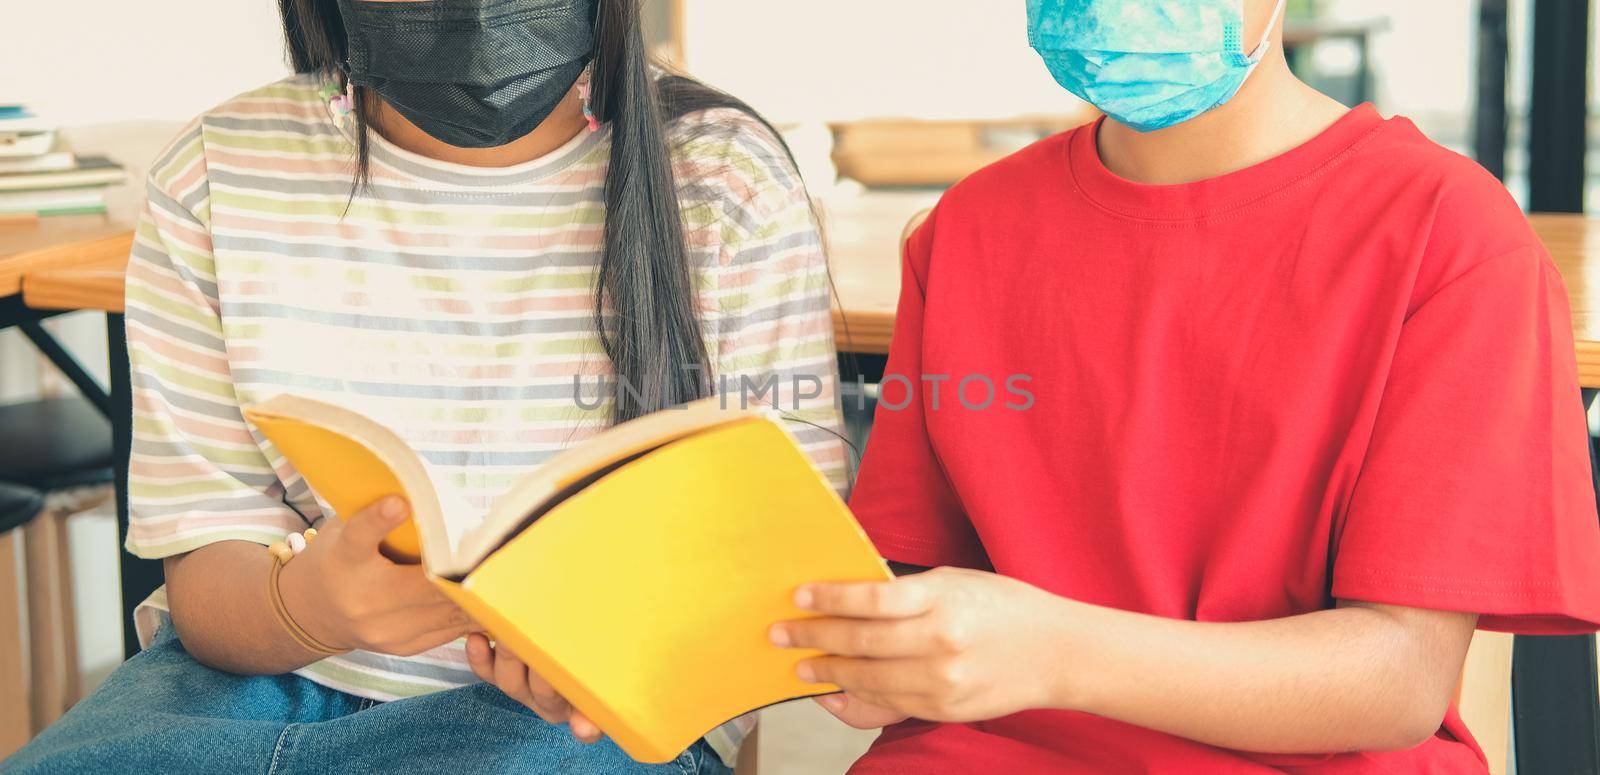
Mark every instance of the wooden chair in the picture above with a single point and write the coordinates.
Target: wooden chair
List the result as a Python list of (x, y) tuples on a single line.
[(53, 446), (19, 506)]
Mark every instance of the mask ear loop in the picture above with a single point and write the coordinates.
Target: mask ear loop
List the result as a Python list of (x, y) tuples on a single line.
[(586, 93), (586, 81), (344, 103), (341, 103), (1266, 37)]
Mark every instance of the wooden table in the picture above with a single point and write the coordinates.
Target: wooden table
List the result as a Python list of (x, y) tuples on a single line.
[(863, 236), (1574, 244), (67, 244), (60, 243)]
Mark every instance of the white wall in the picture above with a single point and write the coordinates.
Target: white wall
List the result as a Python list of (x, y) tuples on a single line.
[(836, 60), (1428, 50), (1426, 60), (94, 61)]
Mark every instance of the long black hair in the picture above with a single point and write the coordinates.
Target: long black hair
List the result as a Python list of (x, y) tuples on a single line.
[(646, 308)]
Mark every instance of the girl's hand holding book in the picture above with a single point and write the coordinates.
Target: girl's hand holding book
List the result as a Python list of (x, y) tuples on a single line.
[(345, 593), (497, 665)]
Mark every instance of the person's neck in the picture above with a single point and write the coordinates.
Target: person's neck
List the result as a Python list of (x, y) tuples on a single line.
[(1273, 113), (563, 124)]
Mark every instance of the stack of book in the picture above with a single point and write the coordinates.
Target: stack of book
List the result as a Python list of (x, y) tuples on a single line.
[(39, 177)]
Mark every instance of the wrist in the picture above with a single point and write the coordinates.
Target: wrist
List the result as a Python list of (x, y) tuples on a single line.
[(1070, 655), (299, 590)]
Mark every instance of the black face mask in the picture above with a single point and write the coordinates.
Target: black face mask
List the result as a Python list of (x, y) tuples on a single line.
[(471, 73)]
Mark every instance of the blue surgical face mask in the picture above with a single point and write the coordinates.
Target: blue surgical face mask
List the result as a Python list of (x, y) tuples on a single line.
[(1149, 64)]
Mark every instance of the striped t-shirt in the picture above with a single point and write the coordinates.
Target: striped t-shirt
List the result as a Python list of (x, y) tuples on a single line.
[(451, 303)]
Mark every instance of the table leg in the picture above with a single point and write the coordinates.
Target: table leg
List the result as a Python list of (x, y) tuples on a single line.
[(1489, 127), (53, 633), (1558, 106), (16, 709), (69, 366), (1554, 683), (14, 313), (139, 577)]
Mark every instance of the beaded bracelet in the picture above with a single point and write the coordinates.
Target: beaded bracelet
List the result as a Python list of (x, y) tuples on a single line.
[(282, 552)]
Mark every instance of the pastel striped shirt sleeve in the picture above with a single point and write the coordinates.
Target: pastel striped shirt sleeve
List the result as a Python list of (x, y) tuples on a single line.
[(196, 475), (773, 300)]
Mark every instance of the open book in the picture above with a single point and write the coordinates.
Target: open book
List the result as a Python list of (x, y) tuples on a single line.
[(638, 571)]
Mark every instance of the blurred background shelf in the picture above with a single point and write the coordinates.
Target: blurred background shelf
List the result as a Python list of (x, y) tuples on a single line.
[(932, 153)]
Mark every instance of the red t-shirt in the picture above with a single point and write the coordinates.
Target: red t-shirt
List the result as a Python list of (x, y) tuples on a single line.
[(1345, 373)]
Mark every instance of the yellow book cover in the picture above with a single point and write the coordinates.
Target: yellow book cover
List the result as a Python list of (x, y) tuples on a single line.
[(638, 571)]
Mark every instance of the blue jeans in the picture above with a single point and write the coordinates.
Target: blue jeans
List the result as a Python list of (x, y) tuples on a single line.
[(164, 712)]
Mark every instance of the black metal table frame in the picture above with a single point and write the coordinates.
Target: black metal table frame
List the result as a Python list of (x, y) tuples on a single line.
[(139, 577), (15, 314)]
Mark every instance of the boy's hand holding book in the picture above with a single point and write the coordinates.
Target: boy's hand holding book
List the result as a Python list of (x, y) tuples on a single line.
[(344, 592), (946, 645)]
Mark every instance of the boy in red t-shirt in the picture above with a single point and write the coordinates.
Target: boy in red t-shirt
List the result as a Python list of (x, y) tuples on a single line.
[(1231, 416)]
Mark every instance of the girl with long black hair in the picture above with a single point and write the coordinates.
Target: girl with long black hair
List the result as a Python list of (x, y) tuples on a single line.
[(494, 226)]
